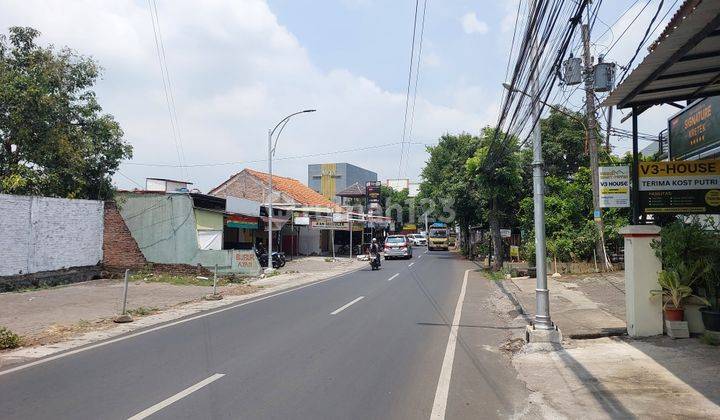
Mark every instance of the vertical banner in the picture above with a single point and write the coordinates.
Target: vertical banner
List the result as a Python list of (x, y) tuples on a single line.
[(614, 186)]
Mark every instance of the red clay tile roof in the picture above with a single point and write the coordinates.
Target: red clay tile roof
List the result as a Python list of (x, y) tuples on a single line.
[(295, 189)]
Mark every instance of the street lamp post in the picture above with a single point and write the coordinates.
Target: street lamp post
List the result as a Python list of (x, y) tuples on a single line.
[(271, 153)]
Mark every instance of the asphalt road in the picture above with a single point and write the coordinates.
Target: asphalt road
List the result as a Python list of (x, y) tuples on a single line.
[(365, 345)]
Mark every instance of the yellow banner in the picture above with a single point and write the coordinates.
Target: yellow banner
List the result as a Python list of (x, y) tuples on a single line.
[(680, 168)]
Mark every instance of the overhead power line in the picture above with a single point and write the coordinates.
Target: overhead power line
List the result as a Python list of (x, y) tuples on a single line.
[(242, 162), (417, 77), (167, 87), (407, 93)]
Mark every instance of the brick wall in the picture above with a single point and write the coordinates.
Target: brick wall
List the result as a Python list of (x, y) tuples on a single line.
[(119, 248)]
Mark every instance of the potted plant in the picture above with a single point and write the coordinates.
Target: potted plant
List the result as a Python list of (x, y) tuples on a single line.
[(675, 288), (711, 313)]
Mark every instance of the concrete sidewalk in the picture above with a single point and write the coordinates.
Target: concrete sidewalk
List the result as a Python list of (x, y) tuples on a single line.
[(607, 377), (583, 306)]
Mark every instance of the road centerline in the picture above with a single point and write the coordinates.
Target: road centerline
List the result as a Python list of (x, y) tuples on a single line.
[(347, 305), (393, 277), (443, 387), (177, 397), (411, 264)]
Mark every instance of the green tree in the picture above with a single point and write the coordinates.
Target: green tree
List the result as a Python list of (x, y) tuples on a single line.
[(448, 185), (54, 138), (497, 174)]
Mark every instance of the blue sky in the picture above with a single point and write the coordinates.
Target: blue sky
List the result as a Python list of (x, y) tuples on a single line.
[(239, 66)]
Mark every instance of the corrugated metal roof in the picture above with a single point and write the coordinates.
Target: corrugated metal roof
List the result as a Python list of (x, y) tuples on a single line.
[(684, 64)]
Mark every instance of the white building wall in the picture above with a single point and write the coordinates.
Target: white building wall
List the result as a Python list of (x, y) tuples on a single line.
[(44, 234)]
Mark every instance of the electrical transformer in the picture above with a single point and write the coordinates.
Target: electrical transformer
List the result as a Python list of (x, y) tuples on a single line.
[(572, 71), (604, 76)]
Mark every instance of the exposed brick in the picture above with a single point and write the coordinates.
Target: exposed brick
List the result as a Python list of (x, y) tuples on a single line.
[(120, 250)]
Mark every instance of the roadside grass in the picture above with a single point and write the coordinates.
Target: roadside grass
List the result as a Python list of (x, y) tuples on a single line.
[(496, 275), (143, 311), (178, 280), (8, 339)]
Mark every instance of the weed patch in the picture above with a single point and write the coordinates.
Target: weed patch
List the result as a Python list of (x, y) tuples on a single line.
[(8, 339)]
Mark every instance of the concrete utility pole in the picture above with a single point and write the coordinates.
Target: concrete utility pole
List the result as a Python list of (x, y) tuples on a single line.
[(542, 294), (593, 146)]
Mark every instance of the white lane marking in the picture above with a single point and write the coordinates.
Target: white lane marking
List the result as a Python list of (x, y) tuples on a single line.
[(443, 387), (163, 326), (411, 264), (395, 275), (180, 395), (345, 306), (419, 256)]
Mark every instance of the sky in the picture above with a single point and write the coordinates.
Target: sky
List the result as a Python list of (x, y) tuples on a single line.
[(238, 67)]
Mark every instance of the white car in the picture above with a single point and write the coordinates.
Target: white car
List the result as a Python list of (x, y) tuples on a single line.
[(417, 239)]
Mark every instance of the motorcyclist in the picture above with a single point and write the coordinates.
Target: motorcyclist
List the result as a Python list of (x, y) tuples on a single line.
[(375, 250)]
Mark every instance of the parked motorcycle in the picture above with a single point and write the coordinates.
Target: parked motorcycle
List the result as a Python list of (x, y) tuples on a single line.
[(277, 260)]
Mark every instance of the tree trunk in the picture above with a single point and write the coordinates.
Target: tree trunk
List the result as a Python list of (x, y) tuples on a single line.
[(494, 219)]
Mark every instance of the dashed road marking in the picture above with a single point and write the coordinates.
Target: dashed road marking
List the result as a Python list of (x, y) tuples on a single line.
[(395, 275), (180, 395), (345, 306)]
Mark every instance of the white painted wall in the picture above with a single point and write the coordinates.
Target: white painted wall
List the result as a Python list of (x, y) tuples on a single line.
[(43, 234)]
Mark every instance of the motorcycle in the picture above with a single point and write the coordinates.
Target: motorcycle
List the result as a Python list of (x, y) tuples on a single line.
[(278, 261), (374, 261)]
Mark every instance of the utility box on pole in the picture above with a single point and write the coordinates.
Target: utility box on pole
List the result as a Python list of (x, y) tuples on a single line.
[(604, 77), (572, 71)]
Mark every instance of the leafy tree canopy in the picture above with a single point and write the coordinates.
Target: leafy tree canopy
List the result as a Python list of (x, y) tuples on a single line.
[(54, 138)]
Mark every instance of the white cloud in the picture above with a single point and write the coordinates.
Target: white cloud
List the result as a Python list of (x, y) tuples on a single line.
[(235, 71), (472, 25)]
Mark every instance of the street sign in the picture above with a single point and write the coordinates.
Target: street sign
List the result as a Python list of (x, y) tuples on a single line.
[(505, 233), (614, 186), (372, 193), (688, 186), (695, 129)]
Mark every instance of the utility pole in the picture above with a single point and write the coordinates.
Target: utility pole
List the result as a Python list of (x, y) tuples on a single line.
[(542, 294), (593, 146)]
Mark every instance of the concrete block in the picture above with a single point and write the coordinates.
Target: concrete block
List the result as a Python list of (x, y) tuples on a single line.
[(677, 329), (533, 335)]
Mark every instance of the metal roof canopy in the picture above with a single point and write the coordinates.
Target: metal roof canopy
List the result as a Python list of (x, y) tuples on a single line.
[(684, 64)]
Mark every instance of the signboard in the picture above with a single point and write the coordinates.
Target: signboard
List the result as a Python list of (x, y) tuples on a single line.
[(301, 221), (372, 193), (398, 184), (614, 186), (514, 251), (688, 186), (695, 129), (241, 222), (505, 233), (339, 217), (327, 224)]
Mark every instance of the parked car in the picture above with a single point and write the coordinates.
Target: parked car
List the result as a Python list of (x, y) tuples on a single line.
[(397, 246), (417, 239)]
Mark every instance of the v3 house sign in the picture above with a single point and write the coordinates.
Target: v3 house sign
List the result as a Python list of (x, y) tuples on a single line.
[(614, 186), (688, 186)]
